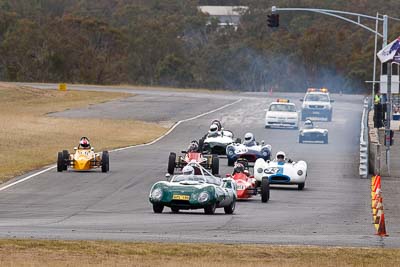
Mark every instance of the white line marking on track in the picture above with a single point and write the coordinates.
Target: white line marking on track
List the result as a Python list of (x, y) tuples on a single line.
[(26, 178), (124, 148)]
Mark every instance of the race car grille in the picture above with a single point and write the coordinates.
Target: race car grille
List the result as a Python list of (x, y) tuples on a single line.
[(279, 179), (181, 203), (283, 123), (313, 135), (316, 106)]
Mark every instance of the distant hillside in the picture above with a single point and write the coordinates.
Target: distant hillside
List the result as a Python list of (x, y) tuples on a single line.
[(167, 42)]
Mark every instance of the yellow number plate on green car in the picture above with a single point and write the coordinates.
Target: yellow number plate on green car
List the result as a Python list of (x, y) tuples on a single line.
[(180, 197)]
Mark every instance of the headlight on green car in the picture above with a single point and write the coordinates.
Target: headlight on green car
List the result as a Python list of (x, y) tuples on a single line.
[(157, 194), (203, 197)]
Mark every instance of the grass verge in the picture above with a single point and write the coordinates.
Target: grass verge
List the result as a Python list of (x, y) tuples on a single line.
[(29, 139), (108, 253)]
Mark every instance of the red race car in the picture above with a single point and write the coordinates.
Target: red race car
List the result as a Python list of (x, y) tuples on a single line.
[(193, 155), (246, 184)]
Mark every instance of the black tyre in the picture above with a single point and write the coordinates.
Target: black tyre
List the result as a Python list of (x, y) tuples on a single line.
[(105, 162), (300, 186), (326, 140), (66, 159), (231, 162), (329, 117), (174, 209), (264, 189), (60, 162), (215, 164), (158, 208), (210, 209), (201, 144), (171, 163), (231, 208)]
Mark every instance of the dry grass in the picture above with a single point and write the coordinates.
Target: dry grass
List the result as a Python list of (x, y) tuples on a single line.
[(108, 253), (29, 139)]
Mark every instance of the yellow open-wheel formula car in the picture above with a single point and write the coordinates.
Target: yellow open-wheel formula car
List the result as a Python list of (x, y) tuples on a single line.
[(82, 160)]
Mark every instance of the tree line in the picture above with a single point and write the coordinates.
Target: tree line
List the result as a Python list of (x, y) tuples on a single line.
[(171, 43)]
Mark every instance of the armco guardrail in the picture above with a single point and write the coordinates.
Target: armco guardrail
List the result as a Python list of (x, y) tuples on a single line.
[(364, 141)]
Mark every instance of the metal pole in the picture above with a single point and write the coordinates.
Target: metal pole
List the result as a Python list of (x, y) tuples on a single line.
[(389, 93), (385, 30), (389, 115), (374, 71)]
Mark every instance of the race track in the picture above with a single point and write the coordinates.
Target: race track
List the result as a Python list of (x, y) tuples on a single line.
[(333, 209)]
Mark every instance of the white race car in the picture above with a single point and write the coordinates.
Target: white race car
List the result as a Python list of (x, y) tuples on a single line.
[(235, 151), (284, 173), (282, 114), (216, 144), (309, 133)]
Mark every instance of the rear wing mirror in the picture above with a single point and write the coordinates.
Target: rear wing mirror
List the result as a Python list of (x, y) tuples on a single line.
[(168, 176), (184, 152), (75, 148), (262, 142), (92, 148)]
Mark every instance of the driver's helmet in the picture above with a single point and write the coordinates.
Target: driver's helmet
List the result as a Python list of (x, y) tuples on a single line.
[(188, 170), (308, 124), (218, 123), (248, 139), (194, 146), (239, 167), (84, 142), (280, 156), (213, 130)]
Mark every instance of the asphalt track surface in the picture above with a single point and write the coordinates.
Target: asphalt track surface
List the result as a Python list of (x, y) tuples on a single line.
[(332, 210)]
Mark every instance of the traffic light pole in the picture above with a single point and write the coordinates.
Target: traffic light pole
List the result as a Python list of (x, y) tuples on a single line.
[(339, 14)]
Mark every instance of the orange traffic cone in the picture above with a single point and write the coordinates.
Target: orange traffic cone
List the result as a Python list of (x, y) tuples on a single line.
[(377, 184), (382, 227)]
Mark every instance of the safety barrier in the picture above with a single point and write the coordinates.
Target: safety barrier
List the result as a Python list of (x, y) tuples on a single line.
[(363, 170), (377, 206)]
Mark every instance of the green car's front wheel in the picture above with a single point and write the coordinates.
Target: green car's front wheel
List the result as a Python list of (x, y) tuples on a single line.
[(210, 209), (231, 208), (158, 208)]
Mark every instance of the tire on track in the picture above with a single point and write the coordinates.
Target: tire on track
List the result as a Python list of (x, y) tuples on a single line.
[(214, 164), (265, 190), (105, 162), (171, 163)]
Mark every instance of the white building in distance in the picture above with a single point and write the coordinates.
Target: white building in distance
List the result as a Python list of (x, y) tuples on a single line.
[(226, 15)]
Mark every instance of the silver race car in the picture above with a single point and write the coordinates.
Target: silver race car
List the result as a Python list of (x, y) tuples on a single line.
[(309, 133)]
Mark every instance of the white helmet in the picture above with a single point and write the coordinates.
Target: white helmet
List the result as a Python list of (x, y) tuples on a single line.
[(248, 138), (218, 123), (308, 124), (281, 154), (188, 170), (213, 129)]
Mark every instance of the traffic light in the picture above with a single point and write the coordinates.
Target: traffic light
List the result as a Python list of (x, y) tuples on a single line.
[(273, 20)]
